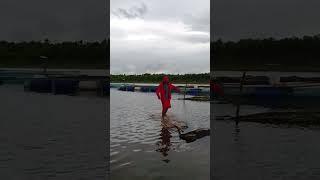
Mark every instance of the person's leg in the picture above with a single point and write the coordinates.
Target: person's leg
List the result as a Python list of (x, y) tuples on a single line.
[(164, 111)]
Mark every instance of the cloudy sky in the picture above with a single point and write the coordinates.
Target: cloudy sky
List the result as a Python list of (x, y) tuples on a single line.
[(234, 19), (58, 20), (160, 36)]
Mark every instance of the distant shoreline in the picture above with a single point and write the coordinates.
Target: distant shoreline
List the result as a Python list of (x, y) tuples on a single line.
[(269, 69)]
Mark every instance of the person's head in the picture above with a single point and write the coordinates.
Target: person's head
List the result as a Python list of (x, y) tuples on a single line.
[(165, 79)]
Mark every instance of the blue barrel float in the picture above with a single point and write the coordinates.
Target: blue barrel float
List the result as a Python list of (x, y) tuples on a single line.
[(103, 88), (272, 91), (65, 86), (39, 85), (148, 89), (272, 96), (106, 89)]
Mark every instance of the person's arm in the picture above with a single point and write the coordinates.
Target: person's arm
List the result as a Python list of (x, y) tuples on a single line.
[(158, 91), (175, 88)]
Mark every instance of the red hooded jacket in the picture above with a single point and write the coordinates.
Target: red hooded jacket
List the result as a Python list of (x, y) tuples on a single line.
[(161, 92), (216, 88)]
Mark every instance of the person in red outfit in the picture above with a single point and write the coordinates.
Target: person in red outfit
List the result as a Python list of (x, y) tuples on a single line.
[(216, 88), (164, 93)]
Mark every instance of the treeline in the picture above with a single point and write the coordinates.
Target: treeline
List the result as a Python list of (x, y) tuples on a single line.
[(267, 54), (77, 54), (156, 78)]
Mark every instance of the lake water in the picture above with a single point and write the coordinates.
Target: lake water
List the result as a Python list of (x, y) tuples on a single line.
[(257, 151), (44, 136), (142, 149)]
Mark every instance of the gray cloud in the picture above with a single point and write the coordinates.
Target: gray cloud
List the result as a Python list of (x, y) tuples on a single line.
[(167, 37), (155, 68), (199, 22), (132, 12)]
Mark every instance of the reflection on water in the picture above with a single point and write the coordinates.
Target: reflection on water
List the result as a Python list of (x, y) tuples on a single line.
[(164, 143), (143, 146), (236, 132)]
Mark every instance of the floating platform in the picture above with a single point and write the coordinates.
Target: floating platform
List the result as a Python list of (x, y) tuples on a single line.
[(194, 90), (127, 88), (67, 87), (296, 118), (288, 89)]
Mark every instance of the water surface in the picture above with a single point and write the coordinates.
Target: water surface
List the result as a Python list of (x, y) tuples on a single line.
[(257, 151), (45, 136), (142, 149)]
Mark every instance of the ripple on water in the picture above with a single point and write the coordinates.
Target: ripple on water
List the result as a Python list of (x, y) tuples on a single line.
[(114, 153)]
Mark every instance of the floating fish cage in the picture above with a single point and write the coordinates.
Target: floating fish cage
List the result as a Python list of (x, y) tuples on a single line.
[(58, 86), (14, 77), (272, 91), (106, 88), (127, 88), (148, 89), (13, 80), (39, 85), (182, 87), (103, 88), (194, 92), (115, 85)]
